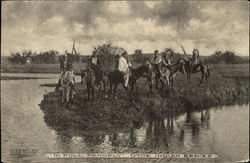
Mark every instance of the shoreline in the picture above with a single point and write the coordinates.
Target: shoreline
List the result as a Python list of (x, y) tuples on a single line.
[(130, 111)]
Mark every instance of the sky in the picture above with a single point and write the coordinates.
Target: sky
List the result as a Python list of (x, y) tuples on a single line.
[(147, 25)]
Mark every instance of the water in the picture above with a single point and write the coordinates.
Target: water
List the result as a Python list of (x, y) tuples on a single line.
[(222, 131)]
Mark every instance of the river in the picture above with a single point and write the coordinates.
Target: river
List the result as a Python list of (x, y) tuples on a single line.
[(222, 130)]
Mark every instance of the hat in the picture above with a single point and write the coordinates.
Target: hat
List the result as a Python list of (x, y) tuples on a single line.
[(124, 53)]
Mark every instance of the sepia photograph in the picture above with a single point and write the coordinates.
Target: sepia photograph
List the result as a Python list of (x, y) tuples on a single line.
[(124, 81)]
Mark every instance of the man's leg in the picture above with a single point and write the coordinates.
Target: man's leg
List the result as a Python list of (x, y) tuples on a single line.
[(126, 79)]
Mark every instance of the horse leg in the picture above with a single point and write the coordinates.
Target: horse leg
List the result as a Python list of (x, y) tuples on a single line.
[(110, 89), (206, 75), (104, 88), (150, 84), (67, 95), (115, 87), (62, 95), (132, 87), (88, 90), (162, 84), (93, 92), (202, 76), (172, 83), (156, 84)]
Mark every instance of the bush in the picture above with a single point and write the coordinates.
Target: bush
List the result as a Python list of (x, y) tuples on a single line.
[(227, 57), (42, 57), (106, 54)]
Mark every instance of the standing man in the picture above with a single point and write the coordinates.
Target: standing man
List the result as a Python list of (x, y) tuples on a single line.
[(123, 67), (156, 61), (94, 60)]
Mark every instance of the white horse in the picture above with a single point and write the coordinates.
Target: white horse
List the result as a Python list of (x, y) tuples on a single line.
[(169, 72), (67, 86)]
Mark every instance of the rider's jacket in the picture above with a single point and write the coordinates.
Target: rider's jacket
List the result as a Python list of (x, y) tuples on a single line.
[(166, 61), (156, 59), (122, 64)]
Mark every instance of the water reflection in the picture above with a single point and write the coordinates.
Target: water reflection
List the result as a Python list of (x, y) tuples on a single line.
[(188, 132)]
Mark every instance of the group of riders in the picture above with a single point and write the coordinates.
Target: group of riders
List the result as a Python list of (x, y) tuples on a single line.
[(122, 63)]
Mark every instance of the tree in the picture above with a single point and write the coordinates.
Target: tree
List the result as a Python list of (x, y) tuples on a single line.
[(106, 54)]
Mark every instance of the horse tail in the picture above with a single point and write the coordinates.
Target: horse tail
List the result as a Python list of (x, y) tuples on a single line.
[(208, 71)]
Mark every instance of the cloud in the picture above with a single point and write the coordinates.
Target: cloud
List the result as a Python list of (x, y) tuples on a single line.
[(146, 25)]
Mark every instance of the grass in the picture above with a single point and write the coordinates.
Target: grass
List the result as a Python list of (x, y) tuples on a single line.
[(37, 68), (228, 84)]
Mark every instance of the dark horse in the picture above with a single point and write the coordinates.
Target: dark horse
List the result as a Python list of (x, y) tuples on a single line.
[(200, 67), (143, 70), (88, 77), (115, 78), (203, 69), (93, 76), (101, 78)]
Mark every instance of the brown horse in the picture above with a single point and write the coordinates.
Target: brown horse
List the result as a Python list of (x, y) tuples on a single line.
[(191, 69), (100, 78), (138, 73), (203, 69)]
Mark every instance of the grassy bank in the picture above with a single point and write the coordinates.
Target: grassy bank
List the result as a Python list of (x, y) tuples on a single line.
[(228, 84)]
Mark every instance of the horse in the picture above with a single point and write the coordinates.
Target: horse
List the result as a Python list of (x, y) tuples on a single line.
[(67, 85), (100, 78), (153, 76), (203, 69), (88, 77), (137, 73), (199, 67), (169, 72), (115, 78)]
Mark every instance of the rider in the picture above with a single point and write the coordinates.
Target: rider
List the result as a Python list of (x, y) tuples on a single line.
[(123, 67), (167, 57), (195, 59), (66, 66)]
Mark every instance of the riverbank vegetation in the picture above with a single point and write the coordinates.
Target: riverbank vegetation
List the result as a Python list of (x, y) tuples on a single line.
[(228, 84)]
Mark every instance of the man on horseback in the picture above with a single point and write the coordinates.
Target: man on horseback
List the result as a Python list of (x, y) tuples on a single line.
[(195, 59), (123, 67), (66, 66), (167, 57)]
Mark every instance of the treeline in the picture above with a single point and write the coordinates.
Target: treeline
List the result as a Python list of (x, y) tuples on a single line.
[(48, 57), (227, 57)]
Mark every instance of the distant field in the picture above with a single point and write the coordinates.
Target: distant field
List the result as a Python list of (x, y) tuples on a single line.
[(37, 68)]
